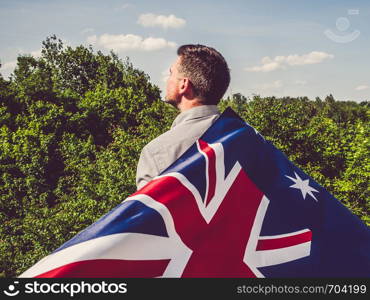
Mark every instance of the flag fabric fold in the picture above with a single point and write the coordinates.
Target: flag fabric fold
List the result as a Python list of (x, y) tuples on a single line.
[(232, 205)]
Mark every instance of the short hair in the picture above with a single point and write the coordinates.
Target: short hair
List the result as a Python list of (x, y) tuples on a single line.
[(207, 70)]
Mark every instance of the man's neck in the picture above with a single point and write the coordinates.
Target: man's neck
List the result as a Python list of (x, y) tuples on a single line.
[(188, 104)]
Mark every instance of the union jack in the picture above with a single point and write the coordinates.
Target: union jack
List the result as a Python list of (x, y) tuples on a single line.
[(231, 206)]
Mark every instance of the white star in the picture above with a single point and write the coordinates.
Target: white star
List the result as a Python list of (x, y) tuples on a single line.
[(303, 185)]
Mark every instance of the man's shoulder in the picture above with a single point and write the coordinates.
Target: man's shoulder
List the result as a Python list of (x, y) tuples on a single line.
[(181, 133), (168, 137)]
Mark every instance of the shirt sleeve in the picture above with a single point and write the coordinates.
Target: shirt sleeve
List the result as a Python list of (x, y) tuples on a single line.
[(147, 168)]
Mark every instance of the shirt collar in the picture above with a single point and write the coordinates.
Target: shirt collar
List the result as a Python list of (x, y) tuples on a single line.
[(195, 113)]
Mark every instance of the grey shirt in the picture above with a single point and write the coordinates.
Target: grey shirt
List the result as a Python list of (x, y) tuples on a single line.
[(161, 152)]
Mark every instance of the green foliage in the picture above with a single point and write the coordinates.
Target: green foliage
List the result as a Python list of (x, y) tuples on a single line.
[(73, 123)]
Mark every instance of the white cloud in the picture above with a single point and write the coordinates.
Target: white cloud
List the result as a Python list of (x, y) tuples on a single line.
[(152, 20), (92, 39), (7, 68), (281, 62), (87, 30), (274, 85), (315, 57), (123, 42), (362, 87)]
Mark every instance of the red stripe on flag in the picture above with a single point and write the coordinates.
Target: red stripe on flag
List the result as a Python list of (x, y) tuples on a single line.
[(288, 241), (109, 268), (219, 246), (211, 155)]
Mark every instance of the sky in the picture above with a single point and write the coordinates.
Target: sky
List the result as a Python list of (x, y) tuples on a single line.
[(273, 48)]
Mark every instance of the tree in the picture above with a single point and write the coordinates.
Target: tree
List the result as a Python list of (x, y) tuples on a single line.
[(73, 123)]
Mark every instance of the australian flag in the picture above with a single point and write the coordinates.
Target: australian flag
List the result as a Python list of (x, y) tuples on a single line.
[(232, 205)]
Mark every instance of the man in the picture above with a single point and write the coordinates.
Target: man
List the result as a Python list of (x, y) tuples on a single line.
[(198, 80)]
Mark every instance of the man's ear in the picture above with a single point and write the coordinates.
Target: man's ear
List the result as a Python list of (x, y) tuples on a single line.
[(186, 88)]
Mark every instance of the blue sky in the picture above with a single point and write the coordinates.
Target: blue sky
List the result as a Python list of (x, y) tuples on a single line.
[(281, 48)]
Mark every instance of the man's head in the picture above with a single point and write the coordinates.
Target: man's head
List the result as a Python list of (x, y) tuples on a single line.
[(200, 74)]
